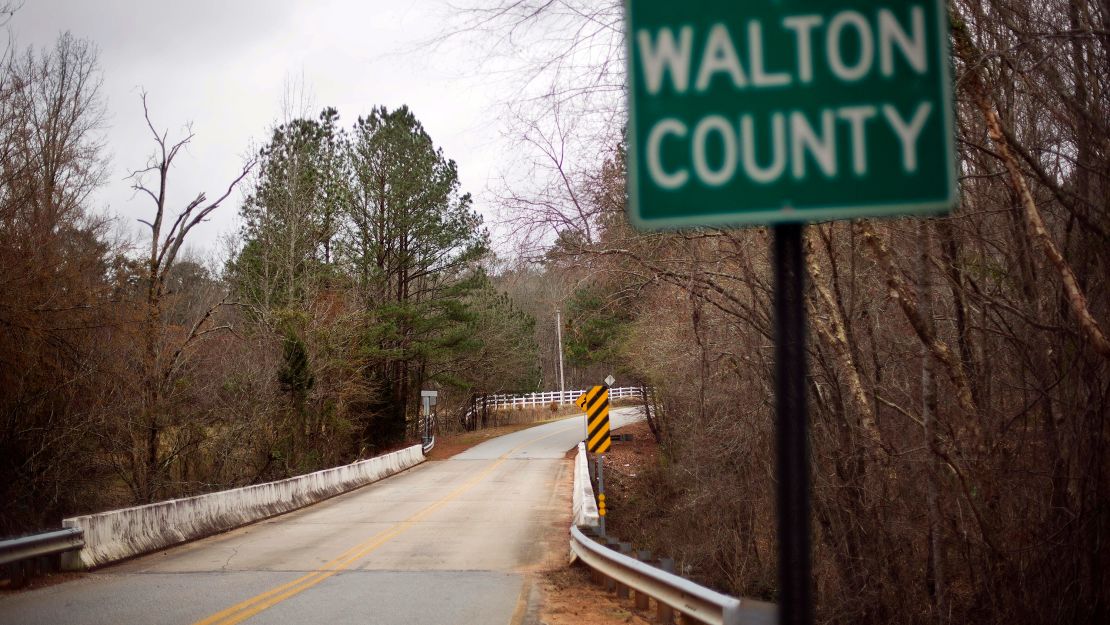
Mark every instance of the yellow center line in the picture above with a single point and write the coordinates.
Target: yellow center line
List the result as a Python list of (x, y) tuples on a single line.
[(248, 608)]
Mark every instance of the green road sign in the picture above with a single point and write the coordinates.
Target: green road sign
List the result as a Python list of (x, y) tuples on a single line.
[(788, 111)]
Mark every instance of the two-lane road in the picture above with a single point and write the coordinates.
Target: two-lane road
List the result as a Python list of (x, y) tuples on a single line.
[(447, 542)]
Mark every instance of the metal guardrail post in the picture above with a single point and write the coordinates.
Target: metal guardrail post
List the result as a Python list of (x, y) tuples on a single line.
[(665, 613), (641, 597), (622, 590), (611, 584)]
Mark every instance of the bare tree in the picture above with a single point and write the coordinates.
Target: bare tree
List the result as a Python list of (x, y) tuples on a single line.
[(162, 352), (55, 299), (959, 370)]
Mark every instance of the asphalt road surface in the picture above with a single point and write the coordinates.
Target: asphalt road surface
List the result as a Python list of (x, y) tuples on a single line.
[(447, 542)]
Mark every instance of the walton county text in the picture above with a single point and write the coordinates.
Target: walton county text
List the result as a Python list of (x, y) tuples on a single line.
[(846, 46)]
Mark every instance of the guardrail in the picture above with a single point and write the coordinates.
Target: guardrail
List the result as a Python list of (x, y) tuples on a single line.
[(681, 595), (22, 557), (428, 440), (670, 592), (547, 398)]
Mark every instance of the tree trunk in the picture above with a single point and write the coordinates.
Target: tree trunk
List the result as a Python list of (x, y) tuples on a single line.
[(1035, 226), (938, 583)]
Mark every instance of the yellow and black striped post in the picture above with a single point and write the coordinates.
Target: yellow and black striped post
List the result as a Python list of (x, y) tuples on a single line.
[(596, 404)]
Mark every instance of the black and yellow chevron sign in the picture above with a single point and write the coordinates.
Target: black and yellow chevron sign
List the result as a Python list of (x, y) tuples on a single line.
[(596, 404)]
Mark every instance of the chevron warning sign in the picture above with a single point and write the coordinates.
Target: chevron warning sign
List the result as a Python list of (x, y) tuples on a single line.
[(581, 399), (596, 404)]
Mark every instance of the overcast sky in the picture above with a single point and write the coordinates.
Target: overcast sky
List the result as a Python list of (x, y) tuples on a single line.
[(223, 66)]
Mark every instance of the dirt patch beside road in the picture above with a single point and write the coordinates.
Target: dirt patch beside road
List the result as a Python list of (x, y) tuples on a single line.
[(568, 596), (39, 581), (627, 460)]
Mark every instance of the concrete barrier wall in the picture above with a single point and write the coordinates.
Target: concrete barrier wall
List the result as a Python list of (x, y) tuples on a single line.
[(119, 534), (584, 506)]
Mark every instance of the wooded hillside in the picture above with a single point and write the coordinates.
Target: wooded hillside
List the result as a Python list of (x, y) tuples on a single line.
[(959, 371)]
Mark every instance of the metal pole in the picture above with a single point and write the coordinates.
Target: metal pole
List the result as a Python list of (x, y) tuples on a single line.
[(427, 414), (791, 439), (601, 492), (559, 334)]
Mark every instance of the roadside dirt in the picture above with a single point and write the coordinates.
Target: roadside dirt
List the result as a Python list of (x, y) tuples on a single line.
[(570, 598), (39, 581), (626, 460), (567, 595)]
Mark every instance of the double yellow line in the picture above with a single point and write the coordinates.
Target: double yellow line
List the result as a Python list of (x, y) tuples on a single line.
[(246, 609)]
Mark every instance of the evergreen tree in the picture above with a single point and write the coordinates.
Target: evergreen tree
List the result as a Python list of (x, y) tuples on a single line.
[(411, 241), (295, 374), (373, 218), (595, 329), (291, 217)]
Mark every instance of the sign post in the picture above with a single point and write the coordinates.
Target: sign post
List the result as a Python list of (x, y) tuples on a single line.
[(598, 440), (780, 113), (791, 425), (601, 511)]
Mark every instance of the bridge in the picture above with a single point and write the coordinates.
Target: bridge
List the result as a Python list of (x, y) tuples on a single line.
[(443, 542)]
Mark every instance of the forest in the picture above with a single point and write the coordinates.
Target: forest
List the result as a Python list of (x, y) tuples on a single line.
[(132, 372), (959, 366)]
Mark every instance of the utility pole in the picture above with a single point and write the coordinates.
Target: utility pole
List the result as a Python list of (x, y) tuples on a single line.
[(559, 335)]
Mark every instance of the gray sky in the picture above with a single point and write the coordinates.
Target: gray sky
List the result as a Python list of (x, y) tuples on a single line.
[(223, 66)]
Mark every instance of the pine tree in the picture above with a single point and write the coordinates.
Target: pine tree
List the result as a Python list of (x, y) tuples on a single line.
[(411, 243), (291, 216)]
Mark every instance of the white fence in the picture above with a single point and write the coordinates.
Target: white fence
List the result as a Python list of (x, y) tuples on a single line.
[(546, 399)]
